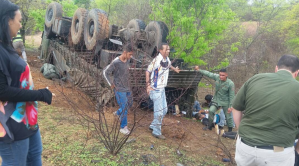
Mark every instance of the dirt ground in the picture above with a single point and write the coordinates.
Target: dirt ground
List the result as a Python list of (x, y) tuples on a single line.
[(34, 40), (183, 133)]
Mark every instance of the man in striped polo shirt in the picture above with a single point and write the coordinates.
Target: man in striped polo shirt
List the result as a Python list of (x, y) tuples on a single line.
[(156, 81)]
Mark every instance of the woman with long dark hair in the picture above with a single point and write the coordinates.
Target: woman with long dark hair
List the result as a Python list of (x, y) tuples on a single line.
[(20, 140)]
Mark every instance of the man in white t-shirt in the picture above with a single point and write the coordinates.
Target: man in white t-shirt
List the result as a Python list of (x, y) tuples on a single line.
[(156, 81)]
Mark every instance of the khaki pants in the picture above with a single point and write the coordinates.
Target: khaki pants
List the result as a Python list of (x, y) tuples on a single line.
[(252, 156), (19, 45)]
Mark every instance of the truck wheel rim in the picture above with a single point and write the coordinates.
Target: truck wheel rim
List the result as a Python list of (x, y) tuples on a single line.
[(77, 26), (50, 14), (91, 29)]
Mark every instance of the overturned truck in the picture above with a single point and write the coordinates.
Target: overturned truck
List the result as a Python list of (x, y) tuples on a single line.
[(82, 46)]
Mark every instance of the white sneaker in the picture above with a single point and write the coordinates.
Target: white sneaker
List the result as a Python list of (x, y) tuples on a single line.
[(125, 131)]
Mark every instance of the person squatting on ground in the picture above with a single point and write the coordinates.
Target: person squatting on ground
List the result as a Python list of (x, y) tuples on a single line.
[(119, 67), (224, 95), (218, 120), (270, 104), (20, 139), (208, 99), (156, 81), (18, 44), (203, 115), (196, 108)]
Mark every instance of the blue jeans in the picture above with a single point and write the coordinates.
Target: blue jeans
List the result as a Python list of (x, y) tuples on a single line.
[(222, 118), (124, 100), (160, 110), (196, 106), (24, 152)]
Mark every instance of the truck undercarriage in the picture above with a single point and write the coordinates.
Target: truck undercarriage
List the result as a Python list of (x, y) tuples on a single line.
[(82, 46)]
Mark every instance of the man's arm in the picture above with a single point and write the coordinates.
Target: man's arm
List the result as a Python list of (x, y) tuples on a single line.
[(201, 111), (150, 69), (239, 105), (207, 73), (148, 82), (147, 78), (297, 146), (107, 73), (231, 94), (176, 69), (237, 117)]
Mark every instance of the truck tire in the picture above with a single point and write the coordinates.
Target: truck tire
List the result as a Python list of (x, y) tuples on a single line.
[(160, 31), (136, 25), (96, 28), (54, 10), (77, 27)]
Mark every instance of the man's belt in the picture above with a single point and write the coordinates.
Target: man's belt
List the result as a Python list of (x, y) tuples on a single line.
[(268, 147)]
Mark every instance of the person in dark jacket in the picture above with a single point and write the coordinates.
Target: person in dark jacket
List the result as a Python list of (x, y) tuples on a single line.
[(20, 140)]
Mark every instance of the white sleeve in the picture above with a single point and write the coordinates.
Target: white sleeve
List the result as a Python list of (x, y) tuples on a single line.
[(151, 66)]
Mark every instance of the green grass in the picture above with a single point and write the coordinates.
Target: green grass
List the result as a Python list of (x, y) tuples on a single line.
[(203, 85), (64, 143)]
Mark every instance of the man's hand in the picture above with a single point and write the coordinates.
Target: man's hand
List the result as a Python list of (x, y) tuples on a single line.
[(112, 86), (201, 111), (196, 68), (229, 110), (177, 70), (148, 89)]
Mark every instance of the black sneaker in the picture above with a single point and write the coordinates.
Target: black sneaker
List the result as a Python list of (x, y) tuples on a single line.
[(207, 127)]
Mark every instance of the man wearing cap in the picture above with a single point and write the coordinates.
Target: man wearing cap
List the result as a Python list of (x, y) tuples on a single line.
[(224, 95), (266, 113), (19, 45)]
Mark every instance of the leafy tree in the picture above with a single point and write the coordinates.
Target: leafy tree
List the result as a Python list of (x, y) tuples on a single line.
[(68, 7), (289, 29), (266, 14), (25, 7), (38, 15), (83, 3), (241, 8), (257, 39), (195, 26), (39, 19), (120, 12)]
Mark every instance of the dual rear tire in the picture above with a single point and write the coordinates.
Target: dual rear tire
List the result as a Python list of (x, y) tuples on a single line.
[(90, 26), (94, 25)]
